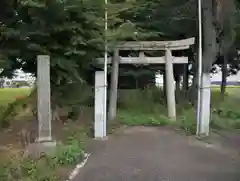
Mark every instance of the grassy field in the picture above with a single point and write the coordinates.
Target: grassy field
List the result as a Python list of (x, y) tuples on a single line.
[(8, 95)]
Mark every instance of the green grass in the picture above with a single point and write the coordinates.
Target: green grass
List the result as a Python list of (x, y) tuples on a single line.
[(148, 109), (9, 98), (131, 119), (48, 167), (8, 95)]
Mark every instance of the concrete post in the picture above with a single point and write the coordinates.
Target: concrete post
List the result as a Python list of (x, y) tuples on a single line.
[(112, 110), (43, 99), (171, 101), (99, 115)]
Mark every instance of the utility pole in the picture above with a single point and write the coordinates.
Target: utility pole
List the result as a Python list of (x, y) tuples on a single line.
[(199, 66), (105, 67)]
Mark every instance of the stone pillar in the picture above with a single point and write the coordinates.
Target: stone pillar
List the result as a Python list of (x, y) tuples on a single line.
[(99, 115), (171, 101), (112, 110), (43, 99)]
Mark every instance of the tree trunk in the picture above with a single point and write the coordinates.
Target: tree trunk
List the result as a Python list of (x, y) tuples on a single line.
[(224, 76)]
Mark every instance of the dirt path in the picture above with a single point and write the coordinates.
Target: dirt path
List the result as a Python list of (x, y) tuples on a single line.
[(158, 154)]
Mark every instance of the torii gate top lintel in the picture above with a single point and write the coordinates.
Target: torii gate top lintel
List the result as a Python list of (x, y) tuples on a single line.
[(150, 45), (155, 45)]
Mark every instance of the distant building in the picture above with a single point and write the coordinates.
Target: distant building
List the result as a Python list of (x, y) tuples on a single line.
[(216, 78), (19, 77)]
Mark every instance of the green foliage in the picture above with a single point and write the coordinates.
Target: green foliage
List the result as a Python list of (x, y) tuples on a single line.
[(67, 154), (141, 108), (11, 100), (158, 19), (148, 100), (80, 94), (45, 168), (187, 122), (226, 114), (8, 112), (71, 32)]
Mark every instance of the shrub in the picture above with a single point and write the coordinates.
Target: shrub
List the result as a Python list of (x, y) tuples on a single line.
[(45, 168), (187, 122)]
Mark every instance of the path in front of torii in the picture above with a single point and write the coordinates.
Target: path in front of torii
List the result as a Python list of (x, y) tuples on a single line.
[(158, 154)]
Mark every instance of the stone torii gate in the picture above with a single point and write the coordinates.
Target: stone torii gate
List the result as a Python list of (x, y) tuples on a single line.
[(168, 60)]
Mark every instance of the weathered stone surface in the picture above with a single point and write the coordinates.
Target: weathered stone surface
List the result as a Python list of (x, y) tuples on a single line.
[(44, 101)]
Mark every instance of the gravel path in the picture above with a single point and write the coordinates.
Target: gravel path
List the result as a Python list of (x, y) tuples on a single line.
[(157, 154)]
